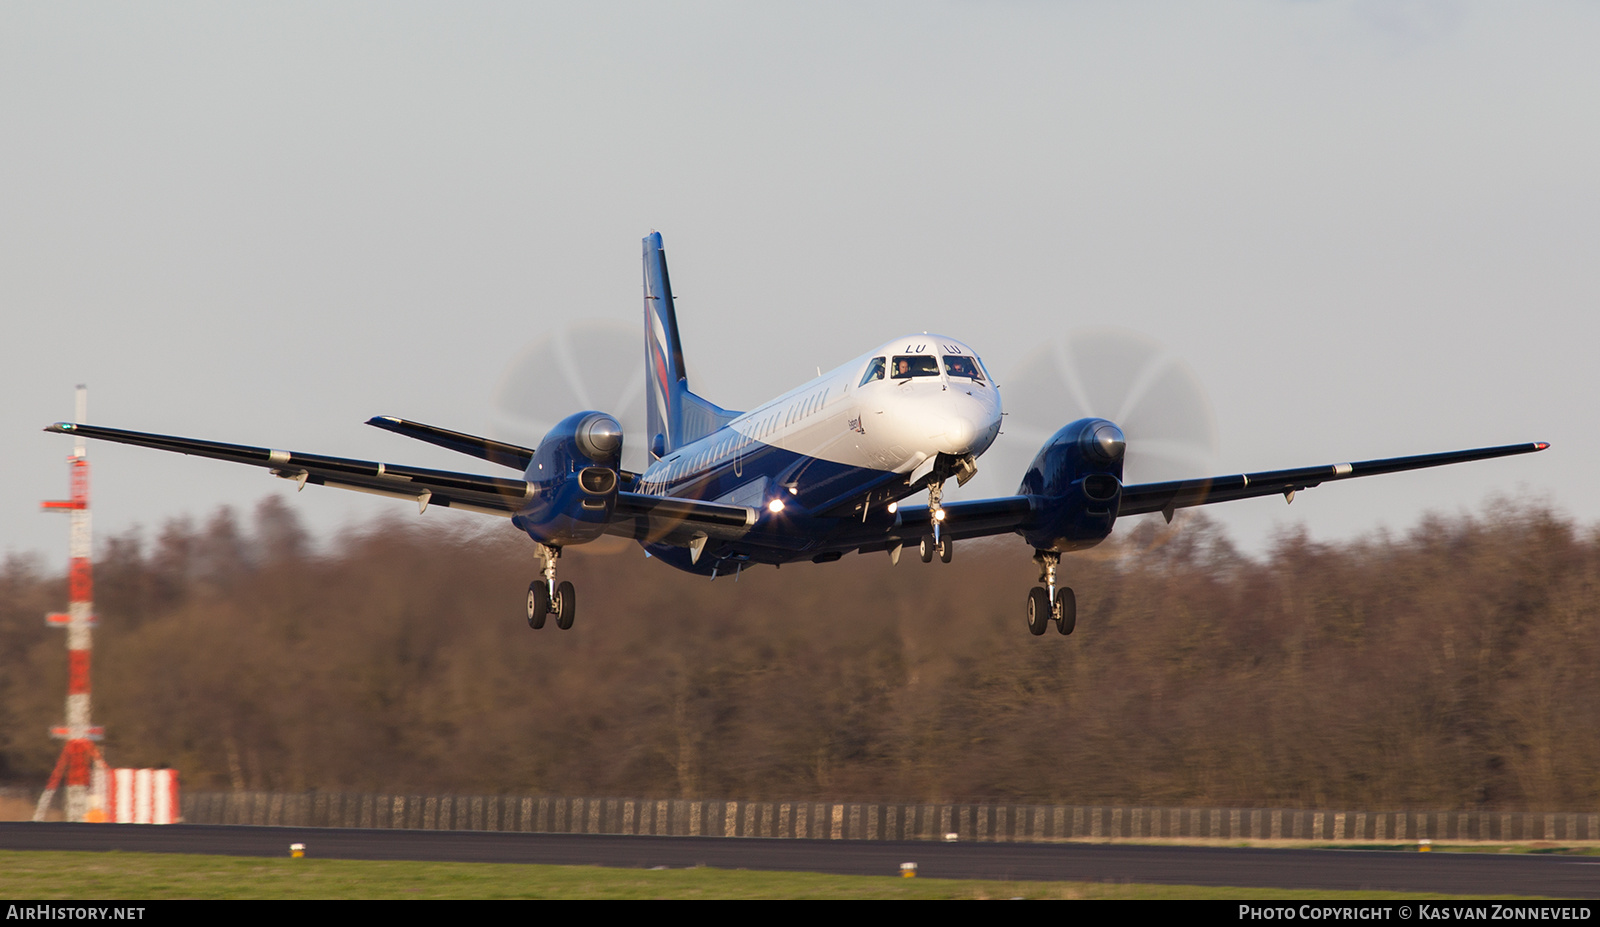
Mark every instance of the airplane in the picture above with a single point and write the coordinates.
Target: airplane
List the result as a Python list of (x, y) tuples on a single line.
[(810, 475)]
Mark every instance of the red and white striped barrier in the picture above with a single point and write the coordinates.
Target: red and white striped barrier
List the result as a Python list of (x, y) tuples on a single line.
[(143, 796)]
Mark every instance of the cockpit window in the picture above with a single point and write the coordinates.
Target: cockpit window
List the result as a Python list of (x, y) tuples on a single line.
[(959, 366), (874, 372), (914, 365)]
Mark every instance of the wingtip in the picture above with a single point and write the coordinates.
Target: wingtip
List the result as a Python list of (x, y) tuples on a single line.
[(61, 427), (1540, 445), (382, 420)]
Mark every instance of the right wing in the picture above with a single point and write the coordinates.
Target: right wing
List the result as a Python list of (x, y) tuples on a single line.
[(488, 494), (636, 515)]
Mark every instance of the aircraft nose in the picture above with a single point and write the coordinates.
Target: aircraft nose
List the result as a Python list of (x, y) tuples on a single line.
[(969, 425), (960, 431)]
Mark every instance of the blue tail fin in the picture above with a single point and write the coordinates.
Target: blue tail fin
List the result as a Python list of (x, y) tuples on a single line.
[(674, 415)]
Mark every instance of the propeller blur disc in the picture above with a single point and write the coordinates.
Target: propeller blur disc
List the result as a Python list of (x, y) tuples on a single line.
[(1113, 373), (581, 366)]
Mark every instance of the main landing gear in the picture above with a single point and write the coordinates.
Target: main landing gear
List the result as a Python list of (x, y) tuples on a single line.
[(1047, 603), (546, 598)]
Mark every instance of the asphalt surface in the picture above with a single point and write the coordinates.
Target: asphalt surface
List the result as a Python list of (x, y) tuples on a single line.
[(1360, 870)]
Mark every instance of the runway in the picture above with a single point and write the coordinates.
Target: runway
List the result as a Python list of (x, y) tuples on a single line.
[(1359, 870)]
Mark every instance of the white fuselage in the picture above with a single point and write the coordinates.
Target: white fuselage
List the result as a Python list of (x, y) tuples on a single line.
[(891, 410)]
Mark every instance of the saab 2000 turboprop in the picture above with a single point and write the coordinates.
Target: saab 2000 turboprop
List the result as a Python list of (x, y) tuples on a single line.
[(811, 475)]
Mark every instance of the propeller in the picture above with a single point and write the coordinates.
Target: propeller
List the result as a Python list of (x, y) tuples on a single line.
[(582, 365), (595, 365), (1156, 399)]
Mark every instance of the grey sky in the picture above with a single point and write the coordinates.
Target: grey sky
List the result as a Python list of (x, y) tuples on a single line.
[(1370, 228)]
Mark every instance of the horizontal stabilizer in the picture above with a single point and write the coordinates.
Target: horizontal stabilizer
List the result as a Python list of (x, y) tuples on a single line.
[(496, 452)]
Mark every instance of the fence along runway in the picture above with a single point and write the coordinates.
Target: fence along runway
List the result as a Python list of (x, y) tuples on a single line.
[(867, 821)]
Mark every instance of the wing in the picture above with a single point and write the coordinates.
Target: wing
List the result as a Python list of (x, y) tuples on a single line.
[(1002, 515), (1142, 498), (487, 494)]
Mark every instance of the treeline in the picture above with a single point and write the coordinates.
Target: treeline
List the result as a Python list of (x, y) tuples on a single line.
[(1452, 668)]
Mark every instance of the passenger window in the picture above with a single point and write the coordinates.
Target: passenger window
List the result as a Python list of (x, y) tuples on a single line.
[(874, 372), (914, 365)]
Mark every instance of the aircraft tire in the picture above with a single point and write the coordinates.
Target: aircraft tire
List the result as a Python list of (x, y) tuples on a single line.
[(947, 548), (1066, 611), (1038, 610), (538, 604), (566, 606), (926, 549)]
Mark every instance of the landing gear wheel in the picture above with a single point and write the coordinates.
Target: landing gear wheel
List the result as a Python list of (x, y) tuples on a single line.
[(1038, 610), (926, 549), (1066, 611), (947, 547), (538, 604), (565, 606)]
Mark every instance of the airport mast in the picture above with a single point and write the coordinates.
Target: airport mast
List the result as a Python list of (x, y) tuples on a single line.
[(80, 759)]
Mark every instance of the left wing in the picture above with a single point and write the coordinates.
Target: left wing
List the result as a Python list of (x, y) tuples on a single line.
[(1142, 498), (487, 494), (1002, 515)]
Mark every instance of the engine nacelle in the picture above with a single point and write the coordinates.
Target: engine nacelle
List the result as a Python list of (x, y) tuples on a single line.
[(1075, 482), (575, 479)]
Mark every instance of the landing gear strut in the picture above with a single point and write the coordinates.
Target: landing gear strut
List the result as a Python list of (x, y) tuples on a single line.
[(1047, 603), (546, 598)]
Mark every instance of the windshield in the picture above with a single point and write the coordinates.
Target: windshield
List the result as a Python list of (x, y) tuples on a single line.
[(914, 365), (874, 372), (958, 366)]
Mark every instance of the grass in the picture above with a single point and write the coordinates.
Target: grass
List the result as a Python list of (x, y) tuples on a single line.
[(1536, 847), (162, 876)]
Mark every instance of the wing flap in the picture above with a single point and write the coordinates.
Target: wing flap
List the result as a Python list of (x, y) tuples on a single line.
[(644, 517), (972, 519)]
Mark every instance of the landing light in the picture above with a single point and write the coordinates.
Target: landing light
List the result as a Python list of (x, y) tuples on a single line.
[(775, 506), (894, 507), (938, 515)]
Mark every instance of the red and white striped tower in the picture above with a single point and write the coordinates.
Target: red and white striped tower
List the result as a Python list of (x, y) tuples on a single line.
[(80, 759)]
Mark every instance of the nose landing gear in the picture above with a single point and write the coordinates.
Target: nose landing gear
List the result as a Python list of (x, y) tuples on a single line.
[(945, 466), (935, 513), (546, 598), (1047, 603)]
